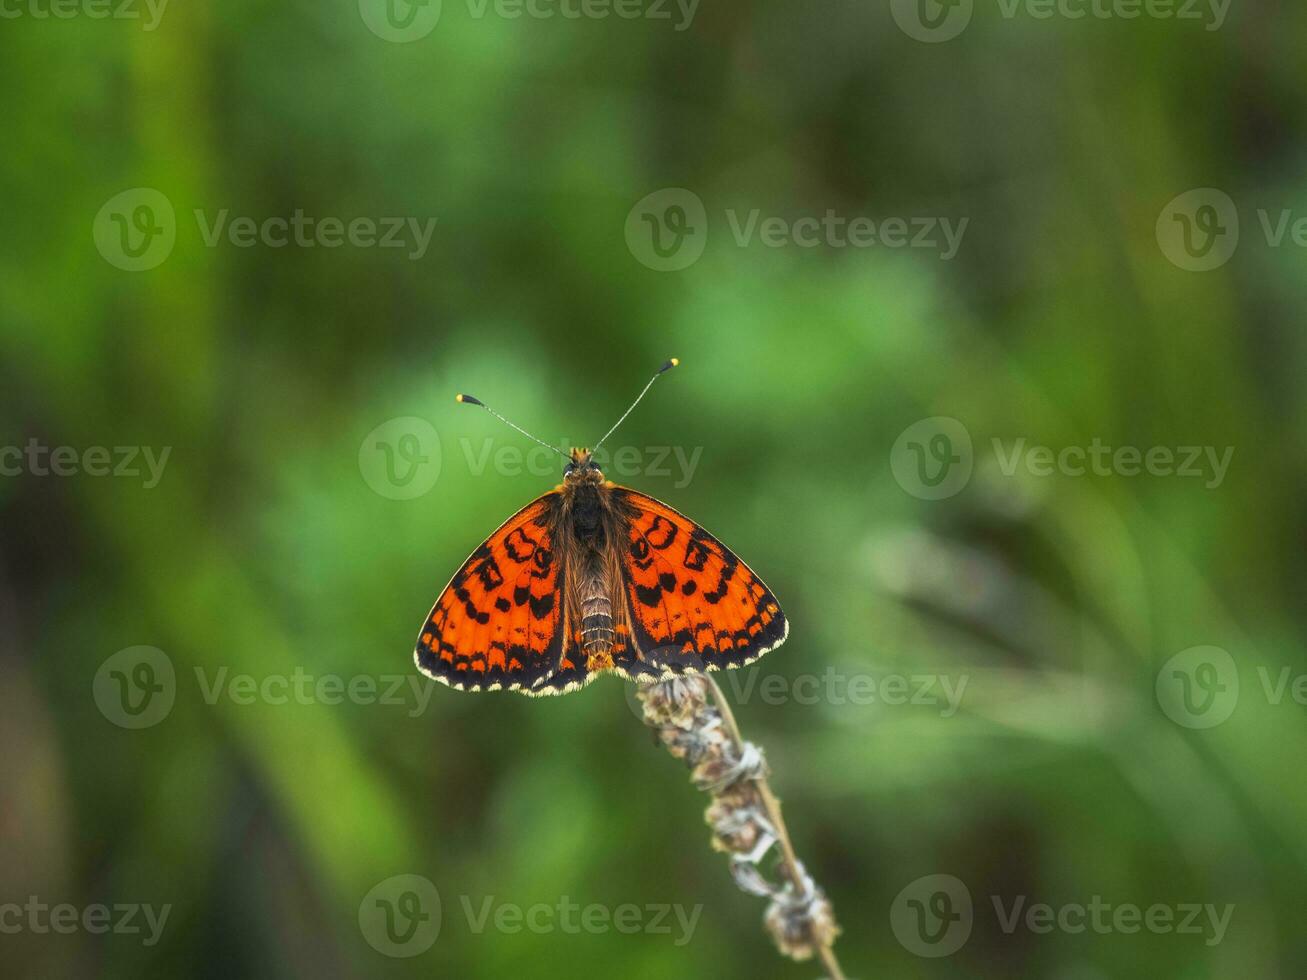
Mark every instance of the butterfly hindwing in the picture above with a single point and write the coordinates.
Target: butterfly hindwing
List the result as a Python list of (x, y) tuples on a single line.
[(693, 604), (500, 621)]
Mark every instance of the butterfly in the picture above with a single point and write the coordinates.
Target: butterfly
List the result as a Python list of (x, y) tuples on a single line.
[(593, 577)]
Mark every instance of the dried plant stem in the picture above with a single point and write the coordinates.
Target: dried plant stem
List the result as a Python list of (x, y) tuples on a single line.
[(794, 871), (769, 800), (695, 723)]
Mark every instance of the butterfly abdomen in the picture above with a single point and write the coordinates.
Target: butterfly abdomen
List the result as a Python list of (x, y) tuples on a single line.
[(597, 633)]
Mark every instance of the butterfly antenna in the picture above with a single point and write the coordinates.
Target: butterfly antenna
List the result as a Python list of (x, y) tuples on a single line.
[(666, 367), (470, 400)]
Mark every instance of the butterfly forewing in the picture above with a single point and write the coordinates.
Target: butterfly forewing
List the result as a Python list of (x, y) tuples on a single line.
[(693, 605), (500, 621)]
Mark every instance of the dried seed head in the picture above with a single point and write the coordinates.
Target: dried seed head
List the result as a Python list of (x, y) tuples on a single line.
[(800, 919), (736, 821), (702, 741), (676, 702), (725, 766)]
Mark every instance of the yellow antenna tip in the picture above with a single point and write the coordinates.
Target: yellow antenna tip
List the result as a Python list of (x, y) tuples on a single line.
[(675, 361), (458, 398)]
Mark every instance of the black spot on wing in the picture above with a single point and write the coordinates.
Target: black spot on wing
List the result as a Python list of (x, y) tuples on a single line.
[(661, 533), (696, 554), (729, 564), (541, 606)]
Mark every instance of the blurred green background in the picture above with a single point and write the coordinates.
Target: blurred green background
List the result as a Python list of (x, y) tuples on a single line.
[(1082, 761)]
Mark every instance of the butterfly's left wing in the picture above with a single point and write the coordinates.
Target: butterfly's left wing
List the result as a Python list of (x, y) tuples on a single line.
[(500, 621), (693, 605)]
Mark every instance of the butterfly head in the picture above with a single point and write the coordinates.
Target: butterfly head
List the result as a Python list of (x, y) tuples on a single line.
[(581, 468)]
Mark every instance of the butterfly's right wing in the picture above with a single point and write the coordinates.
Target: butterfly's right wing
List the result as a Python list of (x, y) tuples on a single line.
[(499, 622), (693, 605)]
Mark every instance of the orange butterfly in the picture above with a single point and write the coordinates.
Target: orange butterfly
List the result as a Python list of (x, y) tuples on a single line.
[(593, 577)]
